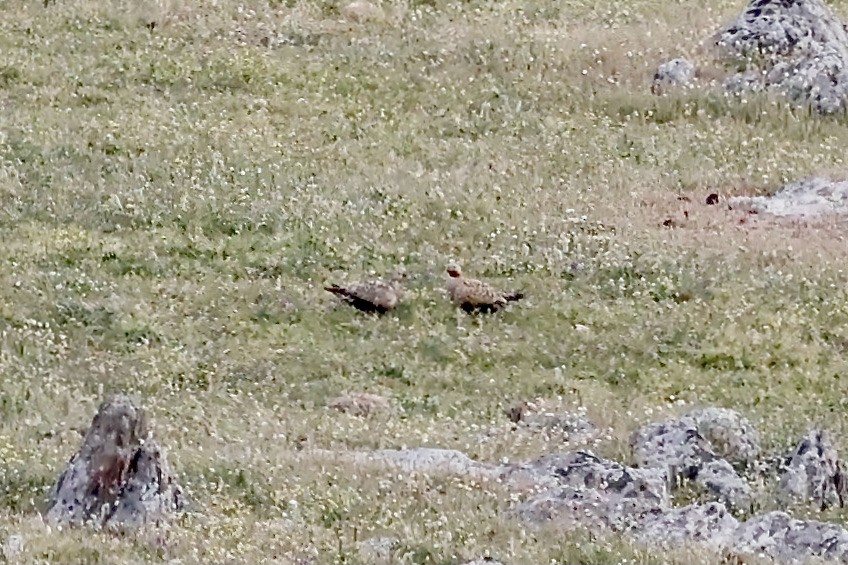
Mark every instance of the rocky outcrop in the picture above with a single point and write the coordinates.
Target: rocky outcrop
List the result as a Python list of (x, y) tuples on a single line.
[(796, 47), (806, 198), (119, 477), (730, 435), (786, 540), (679, 447), (708, 524), (581, 490), (814, 474)]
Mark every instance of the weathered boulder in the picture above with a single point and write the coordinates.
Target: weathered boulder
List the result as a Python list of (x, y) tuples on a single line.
[(672, 74), (730, 435), (677, 446), (806, 198), (814, 474), (786, 540), (119, 477), (708, 524), (580, 490), (797, 47)]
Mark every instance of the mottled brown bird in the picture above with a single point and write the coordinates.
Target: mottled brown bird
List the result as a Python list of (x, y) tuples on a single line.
[(476, 296), (371, 296)]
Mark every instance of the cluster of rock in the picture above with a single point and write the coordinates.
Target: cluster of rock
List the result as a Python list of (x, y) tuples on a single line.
[(807, 198), (119, 478), (704, 450), (797, 48)]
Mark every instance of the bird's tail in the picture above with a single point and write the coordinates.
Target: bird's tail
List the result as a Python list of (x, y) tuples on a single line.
[(514, 297), (336, 289)]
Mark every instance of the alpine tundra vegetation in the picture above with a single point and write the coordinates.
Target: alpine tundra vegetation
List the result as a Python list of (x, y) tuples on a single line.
[(180, 180)]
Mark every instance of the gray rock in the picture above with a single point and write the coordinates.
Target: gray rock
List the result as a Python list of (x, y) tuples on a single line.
[(677, 446), (708, 524), (720, 479), (378, 550), (426, 460), (745, 82), (484, 561), (730, 435), (814, 474), (581, 490), (799, 46), (13, 547), (786, 540), (571, 508), (671, 74), (119, 477), (805, 198)]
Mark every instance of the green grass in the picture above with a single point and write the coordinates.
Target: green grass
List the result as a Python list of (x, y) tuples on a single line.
[(173, 200)]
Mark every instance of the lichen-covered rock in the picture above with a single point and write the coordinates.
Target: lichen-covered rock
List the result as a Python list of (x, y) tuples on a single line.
[(677, 446), (786, 540), (805, 198), (572, 508), (799, 46), (671, 74), (581, 490), (730, 435), (720, 479), (814, 474), (708, 524), (119, 477)]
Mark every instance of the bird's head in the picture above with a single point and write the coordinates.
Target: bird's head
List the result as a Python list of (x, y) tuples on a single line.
[(454, 271)]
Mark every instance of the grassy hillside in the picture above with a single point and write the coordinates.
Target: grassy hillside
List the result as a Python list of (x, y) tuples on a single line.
[(179, 181)]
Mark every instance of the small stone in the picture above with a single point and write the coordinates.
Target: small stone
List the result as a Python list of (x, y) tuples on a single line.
[(361, 10), (378, 550), (674, 73), (360, 404), (712, 199), (13, 547)]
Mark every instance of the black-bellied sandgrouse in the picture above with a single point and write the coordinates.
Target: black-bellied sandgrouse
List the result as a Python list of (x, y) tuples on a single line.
[(476, 296), (371, 296)]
